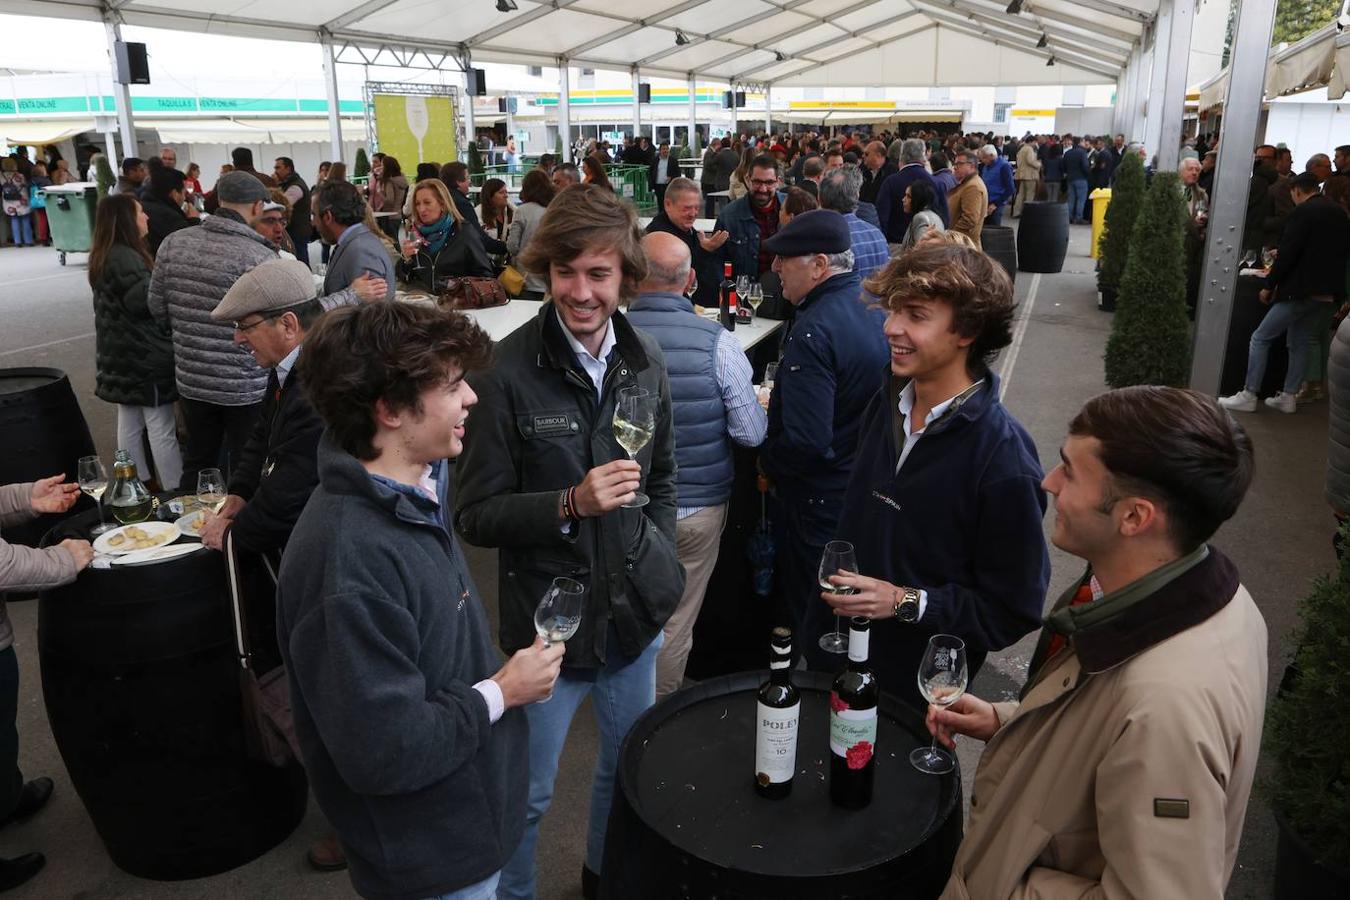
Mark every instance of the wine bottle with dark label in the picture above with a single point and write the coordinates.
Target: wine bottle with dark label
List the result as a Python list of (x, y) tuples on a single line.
[(778, 712), (853, 723), (726, 313)]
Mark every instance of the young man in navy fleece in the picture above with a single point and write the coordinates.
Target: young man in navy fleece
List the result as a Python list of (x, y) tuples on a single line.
[(409, 724), (944, 504)]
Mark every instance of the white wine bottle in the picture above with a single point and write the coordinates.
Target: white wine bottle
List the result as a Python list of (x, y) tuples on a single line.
[(853, 723), (779, 710)]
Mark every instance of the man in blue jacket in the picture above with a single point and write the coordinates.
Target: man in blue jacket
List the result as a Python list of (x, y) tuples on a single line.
[(998, 180), (890, 208), (752, 220), (408, 722), (832, 364), (944, 506), (1077, 171)]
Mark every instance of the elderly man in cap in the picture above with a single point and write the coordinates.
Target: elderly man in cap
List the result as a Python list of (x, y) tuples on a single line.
[(220, 385), (833, 361)]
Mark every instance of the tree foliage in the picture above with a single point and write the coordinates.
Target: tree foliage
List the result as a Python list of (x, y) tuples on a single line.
[(1308, 723), (1295, 19), (361, 168), (103, 174), (1127, 196), (1150, 339)]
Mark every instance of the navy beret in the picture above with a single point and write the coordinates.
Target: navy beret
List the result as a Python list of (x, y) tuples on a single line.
[(817, 231)]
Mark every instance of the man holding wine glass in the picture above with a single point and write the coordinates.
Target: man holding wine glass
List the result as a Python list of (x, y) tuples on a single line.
[(408, 722), (544, 478), (1125, 768), (944, 508)]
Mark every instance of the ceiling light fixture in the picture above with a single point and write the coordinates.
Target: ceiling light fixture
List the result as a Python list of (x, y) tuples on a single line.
[(506, 6), (1043, 41), (778, 56), (1014, 7), (1050, 61), (680, 39)]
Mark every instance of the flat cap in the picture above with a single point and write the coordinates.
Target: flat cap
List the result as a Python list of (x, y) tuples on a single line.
[(267, 288), (817, 231), (240, 187)]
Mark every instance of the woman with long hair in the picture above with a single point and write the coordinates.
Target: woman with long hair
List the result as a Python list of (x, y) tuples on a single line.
[(192, 180), (387, 193), (133, 352), (494, 208), (595, 173), (739, 186), (536, 193), (918, 204), (442, 246)]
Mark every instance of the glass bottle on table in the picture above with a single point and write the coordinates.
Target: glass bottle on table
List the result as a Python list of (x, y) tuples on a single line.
[(93, 481), (778, 707), (128, 498), (853, 723)]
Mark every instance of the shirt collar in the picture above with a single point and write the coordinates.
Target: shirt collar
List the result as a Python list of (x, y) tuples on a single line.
[(350, 232), (284, 367), (605, 346), (907, 404)]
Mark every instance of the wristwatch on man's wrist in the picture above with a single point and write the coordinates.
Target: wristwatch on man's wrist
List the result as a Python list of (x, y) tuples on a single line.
[(907, 605)]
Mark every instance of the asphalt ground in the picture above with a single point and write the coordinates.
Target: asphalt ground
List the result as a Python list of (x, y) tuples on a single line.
[(1280, 539)]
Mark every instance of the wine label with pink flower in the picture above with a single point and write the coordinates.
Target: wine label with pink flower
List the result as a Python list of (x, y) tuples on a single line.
[(776, 743), (853, 733)]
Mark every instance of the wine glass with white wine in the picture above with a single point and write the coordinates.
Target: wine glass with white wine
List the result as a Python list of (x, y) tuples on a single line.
[(634, 424), (93, 481), (942, 681), (558, 614), (755, 296), (211, 492), (838, 556)]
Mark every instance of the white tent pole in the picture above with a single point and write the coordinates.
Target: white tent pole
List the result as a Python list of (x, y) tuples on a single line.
[(693, 113), (125, 123), (768, 109), (1142, 66), (1176, 56), (1228, 212), (637, 105), (334, 109), (470, 134), (565, 109), (735, 129), (1157, 95)]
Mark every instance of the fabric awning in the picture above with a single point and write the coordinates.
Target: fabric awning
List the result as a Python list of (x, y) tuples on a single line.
[(1303, 65), (43, 131), (1340, 71), (1213, 91)]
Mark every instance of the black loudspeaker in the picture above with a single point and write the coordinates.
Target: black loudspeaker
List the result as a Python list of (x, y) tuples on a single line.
[(644, 93), (132, 65), (477, 83), (740, 98), (727, 99)]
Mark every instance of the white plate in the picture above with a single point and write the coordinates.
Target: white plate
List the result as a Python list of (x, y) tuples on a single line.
[(159, 554), (184, 524), (165, 531)]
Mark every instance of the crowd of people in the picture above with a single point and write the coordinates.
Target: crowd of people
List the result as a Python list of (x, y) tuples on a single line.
[(365, 438)]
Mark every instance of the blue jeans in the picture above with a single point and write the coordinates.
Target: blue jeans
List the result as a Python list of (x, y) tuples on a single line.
[(1294, 319), (620, 692), (1078, 192), (483, 890), (995, 218), (21, 229)]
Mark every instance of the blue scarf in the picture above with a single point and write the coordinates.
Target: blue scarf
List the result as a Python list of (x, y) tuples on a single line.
[(437, 233)]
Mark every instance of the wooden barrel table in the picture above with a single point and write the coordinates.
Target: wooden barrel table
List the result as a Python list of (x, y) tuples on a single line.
[(687, 823), (1043, 237)]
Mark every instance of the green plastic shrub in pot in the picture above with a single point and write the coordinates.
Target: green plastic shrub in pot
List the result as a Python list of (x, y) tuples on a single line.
[(103, 175), (1127, 197), (1308, 742), (361, 168)]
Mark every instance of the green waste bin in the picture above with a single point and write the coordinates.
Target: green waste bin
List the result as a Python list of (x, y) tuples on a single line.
[(70, 216)]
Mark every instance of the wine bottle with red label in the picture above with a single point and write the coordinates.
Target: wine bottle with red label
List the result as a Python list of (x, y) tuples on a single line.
[(726, 313), (778, 710), (853, 723)]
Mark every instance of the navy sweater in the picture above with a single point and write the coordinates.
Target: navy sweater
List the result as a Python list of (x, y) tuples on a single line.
[(961, 520), (384, 636)]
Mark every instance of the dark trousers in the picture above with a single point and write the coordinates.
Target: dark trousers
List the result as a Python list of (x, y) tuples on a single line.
[(995, 218), (661, 196), (215, 435), (709, 203), (11, 779), (804, 526), (301, 249)]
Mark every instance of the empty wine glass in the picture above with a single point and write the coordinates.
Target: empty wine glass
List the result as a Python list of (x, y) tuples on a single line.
[(211, 490), (942, 681), (93, 480), (838, 556), (558, 614), (770, 374), (634, 424), (742, 286)]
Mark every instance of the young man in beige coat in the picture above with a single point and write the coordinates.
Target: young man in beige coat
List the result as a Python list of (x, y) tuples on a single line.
[(1027, 173), (1125, 769)]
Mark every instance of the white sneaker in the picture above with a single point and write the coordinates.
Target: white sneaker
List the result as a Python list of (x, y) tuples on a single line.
[(1282, 401), (1243, 401)]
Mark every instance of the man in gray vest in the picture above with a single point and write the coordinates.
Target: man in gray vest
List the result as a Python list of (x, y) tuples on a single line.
[(713, 399), (300, 228)]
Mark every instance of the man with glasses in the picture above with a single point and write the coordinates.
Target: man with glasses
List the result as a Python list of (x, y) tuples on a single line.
[(752, 220), (969, 200)]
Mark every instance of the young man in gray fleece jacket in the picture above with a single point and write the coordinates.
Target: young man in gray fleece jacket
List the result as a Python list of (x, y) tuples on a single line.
[(408, 722)]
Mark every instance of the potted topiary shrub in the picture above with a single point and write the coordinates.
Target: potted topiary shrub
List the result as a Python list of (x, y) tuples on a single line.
[(103, 174), (1150, 339), (1307, 733), (475, 161), (361, 168), (1127, 196)]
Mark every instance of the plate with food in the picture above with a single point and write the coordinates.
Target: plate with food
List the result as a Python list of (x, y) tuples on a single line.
[(190, 526), (131, 538), (157, 554)]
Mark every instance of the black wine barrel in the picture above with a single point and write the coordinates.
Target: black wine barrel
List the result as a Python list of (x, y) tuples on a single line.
[(686, 821), (1043, 237), (1000, 243), (141, 687), (44, 433)]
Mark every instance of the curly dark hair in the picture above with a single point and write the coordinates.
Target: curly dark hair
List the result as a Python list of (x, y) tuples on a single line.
[(383, 351), (587, 217), (342, 199), (969, 280)]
